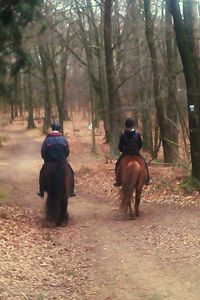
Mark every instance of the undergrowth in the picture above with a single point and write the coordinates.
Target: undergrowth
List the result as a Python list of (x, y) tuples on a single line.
[(190, 184)]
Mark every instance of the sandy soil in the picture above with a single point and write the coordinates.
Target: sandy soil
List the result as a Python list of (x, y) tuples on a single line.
[(100, 254)]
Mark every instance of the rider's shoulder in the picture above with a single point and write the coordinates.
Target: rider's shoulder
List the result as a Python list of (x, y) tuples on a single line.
[(54, 134), (138, 133)]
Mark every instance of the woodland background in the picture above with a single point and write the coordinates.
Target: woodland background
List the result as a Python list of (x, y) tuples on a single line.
[(108, 60), (89, 64)]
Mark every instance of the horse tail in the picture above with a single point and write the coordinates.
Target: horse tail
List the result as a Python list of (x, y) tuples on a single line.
[(56, 204), (129, 182)]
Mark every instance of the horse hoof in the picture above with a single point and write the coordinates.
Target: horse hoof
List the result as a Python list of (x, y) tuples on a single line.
[(132, 217), (58, 224), (137, 214), (66, 218)]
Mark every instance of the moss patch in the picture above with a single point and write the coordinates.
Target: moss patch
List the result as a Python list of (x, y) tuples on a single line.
[(3, 195)]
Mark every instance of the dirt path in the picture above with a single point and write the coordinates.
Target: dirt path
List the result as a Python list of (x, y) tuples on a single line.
[(100, 254)]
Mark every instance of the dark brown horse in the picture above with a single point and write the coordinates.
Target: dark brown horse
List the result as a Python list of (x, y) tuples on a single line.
[(133, 175), (56, 184)]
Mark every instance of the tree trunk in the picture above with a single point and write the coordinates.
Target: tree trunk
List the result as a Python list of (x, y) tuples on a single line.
[(170, 140), (47, 101), (190, 65), (143, 93), (113, 96), (149, 26), (64, 59), (103, 80), (90, 62), (51, 60), (16, 93), (31, 123)]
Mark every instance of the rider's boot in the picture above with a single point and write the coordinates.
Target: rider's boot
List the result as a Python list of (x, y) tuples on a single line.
[(41, 194), (148, 181), (72, 194)]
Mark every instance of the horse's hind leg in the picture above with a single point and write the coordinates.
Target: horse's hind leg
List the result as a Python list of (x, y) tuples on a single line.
[(131, 211), (137, 202), (63, 215), (64, 212)]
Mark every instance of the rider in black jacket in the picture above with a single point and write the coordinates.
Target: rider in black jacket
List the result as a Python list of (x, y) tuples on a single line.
[(130, 143)]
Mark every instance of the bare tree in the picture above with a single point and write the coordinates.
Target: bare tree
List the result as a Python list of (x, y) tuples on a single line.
[(186, 45), (114, 99)]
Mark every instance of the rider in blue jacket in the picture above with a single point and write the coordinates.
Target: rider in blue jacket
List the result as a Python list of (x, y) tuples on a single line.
[(130, 143), (56, 148)]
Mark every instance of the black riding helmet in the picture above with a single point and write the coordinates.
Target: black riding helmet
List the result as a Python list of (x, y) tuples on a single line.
[(129, 123), (56, 127)]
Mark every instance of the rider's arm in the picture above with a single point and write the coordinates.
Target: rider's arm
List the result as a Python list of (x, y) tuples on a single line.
[(121, 144), (140, 142), (44, 149), (66, 148)]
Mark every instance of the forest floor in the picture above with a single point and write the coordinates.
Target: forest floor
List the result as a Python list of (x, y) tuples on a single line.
[(100, 254)]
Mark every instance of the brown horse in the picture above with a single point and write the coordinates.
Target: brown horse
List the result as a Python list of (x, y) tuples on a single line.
[(56, 184), (133, 175)]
